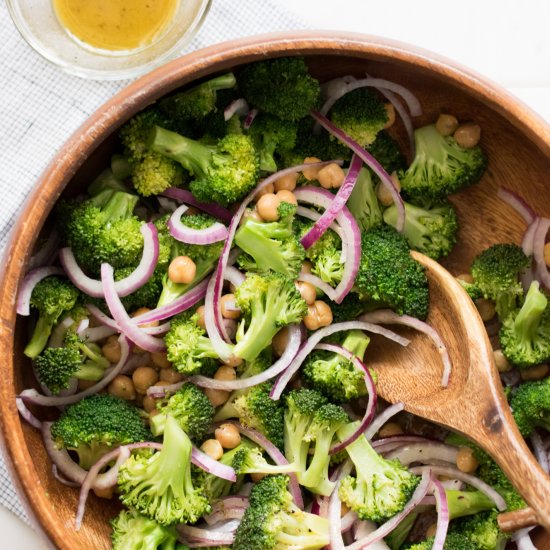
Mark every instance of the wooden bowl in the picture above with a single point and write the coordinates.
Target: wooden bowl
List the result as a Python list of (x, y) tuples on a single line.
[(515, 139)]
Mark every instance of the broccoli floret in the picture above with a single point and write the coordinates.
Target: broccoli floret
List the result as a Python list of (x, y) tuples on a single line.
[(255, 409), (481, 530), (97, 424), (250, 460), (360, 114), (268, 302), (223, 173), (198, 101), (147, 295), (432, 231), (388, 276), (187, 347), (192, 410), (440, 167), (453, 541), (272, 520), (310, 423), (363, 203), (272, 245), (75, 359), (215, 487), (531, 406), (132, 531), (272, 135), (381, 488), (161, 486), (386, 151), (282, 87), (496, 273), (525, 334), (335, 376), (51, 297)]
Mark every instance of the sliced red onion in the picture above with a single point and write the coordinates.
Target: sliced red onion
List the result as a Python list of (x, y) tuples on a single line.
[(166, 204), (58, 333), (386, 528), (316, 337), (539, 240), (351, 242), (203, 461), (157, 392), (382, 418), (233, 276), (231, 507), (523, 539), (313, 215), (390, 317), (47, 253), (215, 233), (517, 203), (540, 452), (371, 390), (334, 510), (124, 321), (250, 118), (527, 242), (31, 279), (33, 396), (318, 283), (279, 366), (331, 87), (236, 107), (61, 479), (26, 414), (182, 195), (214, 325), (82, 326), (388, 444), (195, 537), (455, 473), (370, 161), (424, 453), (442, 507), (123, 287)]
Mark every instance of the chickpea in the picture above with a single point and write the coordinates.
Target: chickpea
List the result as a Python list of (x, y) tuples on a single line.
[(318, 315), (213, 448), (251, 214), (233, 362), (85, 384), (228, 435), (287, 196), (501, 362), (141, 311), (257, 477), (216, 397), (331, 176), (467, 135), (268, 189), (225, 372), (143, 378), (191, 211), (280, 341), (431, 530), (160, 360), (123, 387), (267, 207), (390, 111), (311, 173), (446, 125), (182, 269), (307, 291), (485, 308), (104, 493), (466, 277), (307, 266), (547, 254), (287, 182), (383, 193), (111, 349), (466, 461), (390, 429), (228, 307), (149, 404), (534, 373), (172, 376), (200, 313)]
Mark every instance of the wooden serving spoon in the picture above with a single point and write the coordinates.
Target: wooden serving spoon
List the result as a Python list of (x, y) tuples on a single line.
[(473, 404)]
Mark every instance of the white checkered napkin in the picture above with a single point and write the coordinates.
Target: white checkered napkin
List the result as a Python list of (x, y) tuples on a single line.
[(40, 107)]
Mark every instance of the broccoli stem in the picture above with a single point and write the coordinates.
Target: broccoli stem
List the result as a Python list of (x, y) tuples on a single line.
[(467, 503), (40, 337), (171, 291), (90, 371), (528, 319), (316, 475)]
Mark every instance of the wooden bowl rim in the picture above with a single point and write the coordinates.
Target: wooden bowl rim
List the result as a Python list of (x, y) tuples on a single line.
[(125, 104)]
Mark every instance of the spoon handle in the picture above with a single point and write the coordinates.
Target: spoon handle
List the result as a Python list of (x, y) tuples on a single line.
[(518, 519)]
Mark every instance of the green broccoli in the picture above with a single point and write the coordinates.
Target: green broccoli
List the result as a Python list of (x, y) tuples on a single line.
[(132, 531), (55, 367), (531, 406), (215, 487), (432, 231), (281, 87), (268, 302), (440, 167), (250, 460), (273, 521), (272, 245), (381, 488), (190, 407), (350, 308), (95, 425), (386, 151), (161, 486), (335, 376), (481, 530), (360, 114), (388, 276), (453, 541), (525, 334), (52, 297), (496, 273), (223, 173), (363, 203)]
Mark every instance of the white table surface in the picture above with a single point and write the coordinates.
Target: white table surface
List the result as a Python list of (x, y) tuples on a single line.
[(506, 40)]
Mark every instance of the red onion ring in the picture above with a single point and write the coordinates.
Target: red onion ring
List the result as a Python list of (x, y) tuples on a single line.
[(393, 442), (215, 233), (214, 209), (334, 510), (370, 161), (233, 276), (539, 240), (26, 414), (313, 215), (231, 507), (386, 316), (518, 204), (442, 507), (31, 279), (424, 452), (382, 418), (236, 107), (58, 333), (63, 480), (319, 283), (47, 253), (527, 241), (195, 537), (112, 325), (316, 337), (161, 391), (523, 539), (211, 466), (250, 118)]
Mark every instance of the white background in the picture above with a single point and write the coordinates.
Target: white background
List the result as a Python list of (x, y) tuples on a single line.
[(505, 40)]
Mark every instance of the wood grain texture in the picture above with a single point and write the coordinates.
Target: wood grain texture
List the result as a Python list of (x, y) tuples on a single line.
[(516, 140)]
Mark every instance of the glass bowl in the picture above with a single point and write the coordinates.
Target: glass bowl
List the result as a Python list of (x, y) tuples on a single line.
[(38, 24)]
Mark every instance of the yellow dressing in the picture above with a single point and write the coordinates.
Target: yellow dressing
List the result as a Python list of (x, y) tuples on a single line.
[(115, 24)]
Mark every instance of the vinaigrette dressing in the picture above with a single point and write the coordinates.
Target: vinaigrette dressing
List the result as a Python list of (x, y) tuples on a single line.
[(115, 24)]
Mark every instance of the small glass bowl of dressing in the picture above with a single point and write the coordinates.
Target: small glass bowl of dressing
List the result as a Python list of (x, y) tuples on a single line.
[(108, 39)]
